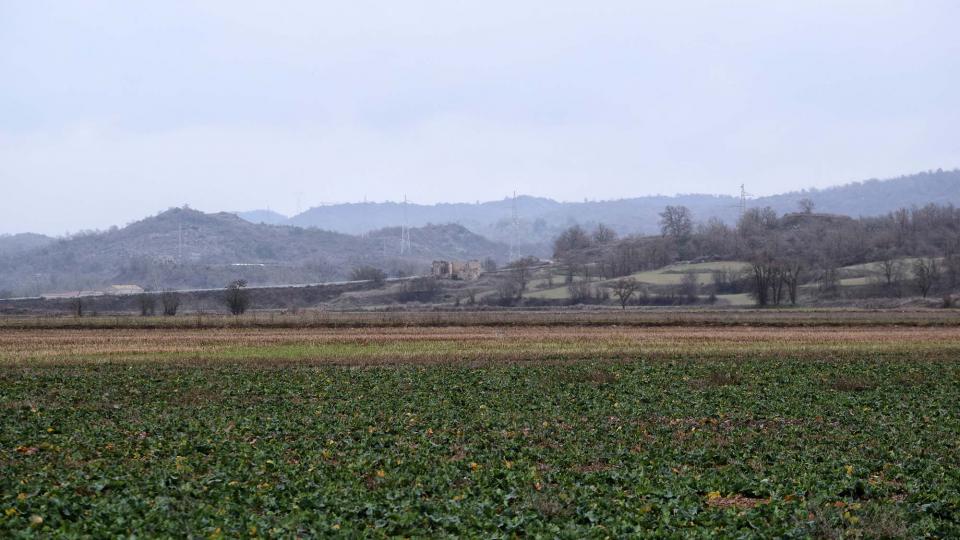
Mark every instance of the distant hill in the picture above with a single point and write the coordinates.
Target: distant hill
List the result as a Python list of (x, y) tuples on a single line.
[(268, 217), (540, 219), (185, 248), (874, 197), (16, 243)]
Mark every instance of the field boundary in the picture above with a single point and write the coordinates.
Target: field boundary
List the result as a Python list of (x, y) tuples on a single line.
[(554, 318)]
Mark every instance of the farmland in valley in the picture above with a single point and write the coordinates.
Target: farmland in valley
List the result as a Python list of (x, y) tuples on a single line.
[(483, 424)]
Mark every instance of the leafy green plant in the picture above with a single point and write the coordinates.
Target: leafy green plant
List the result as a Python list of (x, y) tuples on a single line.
[(206, 441)]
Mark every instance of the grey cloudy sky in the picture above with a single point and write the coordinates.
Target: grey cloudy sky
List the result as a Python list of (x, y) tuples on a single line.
[(112, 110)]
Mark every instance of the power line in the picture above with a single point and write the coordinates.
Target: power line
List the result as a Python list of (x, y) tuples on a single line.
[(405, 231), (180, 240), (743, 199), (514, 228)]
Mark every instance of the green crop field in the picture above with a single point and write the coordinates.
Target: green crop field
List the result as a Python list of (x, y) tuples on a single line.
[(482, 431)]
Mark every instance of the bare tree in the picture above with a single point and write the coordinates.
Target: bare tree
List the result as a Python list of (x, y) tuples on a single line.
[(806, 205), (572, 239), (791, 275), (762, 273), (623, 289), (508, 289), (170, 301), (828, 278), (579, 291), (777, 283), (76, 306), (148, 304), (891, 273), (926, 274), (603, 234), (690, 287), (522, 269), (677, 223), (237, 297)]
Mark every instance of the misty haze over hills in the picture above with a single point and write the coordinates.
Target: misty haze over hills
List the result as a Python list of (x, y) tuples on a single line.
[(186, 248), (541, 219)]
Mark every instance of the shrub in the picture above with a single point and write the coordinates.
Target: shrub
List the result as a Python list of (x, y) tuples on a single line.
[(237, 297), (76, 306), (368, 273), (170, 301), (148, 304)]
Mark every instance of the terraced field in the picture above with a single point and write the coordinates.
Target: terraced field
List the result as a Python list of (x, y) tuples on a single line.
[(769, 425)]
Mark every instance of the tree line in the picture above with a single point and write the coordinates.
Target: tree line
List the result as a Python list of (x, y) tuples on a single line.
[(915, 250)]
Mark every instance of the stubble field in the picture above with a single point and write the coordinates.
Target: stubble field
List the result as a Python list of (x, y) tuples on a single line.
[(704, 427)]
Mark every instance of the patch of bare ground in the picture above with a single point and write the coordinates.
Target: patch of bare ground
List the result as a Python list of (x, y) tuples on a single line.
[(457, 453), (872, 521), (735, 501), (474, 346), (597, 377), (912, 379)]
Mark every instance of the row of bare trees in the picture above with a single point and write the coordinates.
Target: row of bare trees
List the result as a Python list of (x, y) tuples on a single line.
[(236, 298), (914, 250)]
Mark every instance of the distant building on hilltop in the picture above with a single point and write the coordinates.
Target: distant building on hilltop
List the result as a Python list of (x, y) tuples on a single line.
[(123, 289), (112, 290), (466, 270)]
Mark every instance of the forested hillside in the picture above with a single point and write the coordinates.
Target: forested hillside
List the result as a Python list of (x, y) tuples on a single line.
[(186, 248)]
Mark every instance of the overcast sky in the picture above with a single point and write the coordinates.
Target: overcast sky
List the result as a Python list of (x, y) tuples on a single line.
[(113, 110)]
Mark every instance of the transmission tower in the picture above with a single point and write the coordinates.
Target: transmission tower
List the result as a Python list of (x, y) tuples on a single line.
[(743, 199), (405, 231), (180, 242), (514, 228)]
